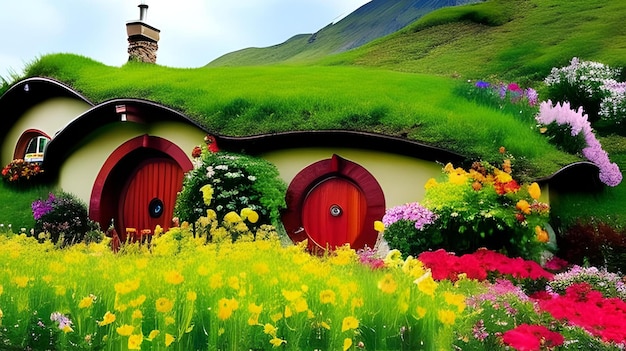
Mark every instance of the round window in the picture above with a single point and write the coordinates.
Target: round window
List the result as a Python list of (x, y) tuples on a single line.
[(155, 208)]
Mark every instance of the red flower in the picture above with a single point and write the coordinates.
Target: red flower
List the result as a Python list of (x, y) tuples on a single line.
[(527, 337), (196, 152)]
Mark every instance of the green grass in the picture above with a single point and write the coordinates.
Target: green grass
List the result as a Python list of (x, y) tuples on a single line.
[(15, 205), (516, 40), (253, 100)]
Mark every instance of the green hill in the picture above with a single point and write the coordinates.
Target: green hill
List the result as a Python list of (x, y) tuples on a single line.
[(373, 20)]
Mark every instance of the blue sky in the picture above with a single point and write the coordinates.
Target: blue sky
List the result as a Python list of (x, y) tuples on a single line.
[(193, 32)]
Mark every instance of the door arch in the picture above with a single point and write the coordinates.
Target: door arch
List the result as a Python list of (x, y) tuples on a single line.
[(133, 160), (334, 202)]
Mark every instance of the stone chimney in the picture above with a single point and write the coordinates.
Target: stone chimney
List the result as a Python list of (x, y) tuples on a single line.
[(142, 38)]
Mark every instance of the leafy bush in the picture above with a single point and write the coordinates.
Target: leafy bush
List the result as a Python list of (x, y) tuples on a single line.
[(486, 207), (20, 172), (595, 243), (64, 219), (225, 182), (591, 85), (406, 228)]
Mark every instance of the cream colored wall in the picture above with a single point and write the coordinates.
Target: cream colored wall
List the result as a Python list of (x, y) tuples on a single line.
[(402, 178), (79, 171), (50, 116)]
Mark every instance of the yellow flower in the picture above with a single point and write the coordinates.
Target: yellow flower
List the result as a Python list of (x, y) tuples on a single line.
[(211, 215), (393, 258), (153, 334), (107, 319), (327, 296), (169, 339), (291, 295), (134, 342), (174, 277), (421, 312), (426, 284), (169, 320), (225, 308), (457, 300), (276, 342), (269, 329), (542, 235), (138, 301), (216, 281), (301, 305), (85, 302), (158, 230), (207, 194), (137, 314), (523, 206), (356, 302), (60, 290), (21, 281), (431, 183), (125, 330), (276, 317), (288, 312), (379, 226), (67, 329), (534, 191), (233, 282), (192, 296), (387, 284), (347, 343), (349, 323), (127, 286), (446, 317), (251, 215), (254, 308), (502, 177), (164, 305), (232, 217)]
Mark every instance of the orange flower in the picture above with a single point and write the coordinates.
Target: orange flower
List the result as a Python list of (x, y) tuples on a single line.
[(542, 235), (523, 206)]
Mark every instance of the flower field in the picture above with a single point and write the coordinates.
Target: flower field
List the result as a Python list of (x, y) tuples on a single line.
[(179, 293)]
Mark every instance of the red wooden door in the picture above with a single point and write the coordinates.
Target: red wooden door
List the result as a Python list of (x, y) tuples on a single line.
[(150, 194), (334, 212)]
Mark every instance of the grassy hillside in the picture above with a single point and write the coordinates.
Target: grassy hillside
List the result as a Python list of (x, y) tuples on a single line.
[(373, 20), (511, 39)]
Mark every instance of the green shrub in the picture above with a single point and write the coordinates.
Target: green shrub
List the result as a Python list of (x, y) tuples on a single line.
[(64, 219), (235, 182)]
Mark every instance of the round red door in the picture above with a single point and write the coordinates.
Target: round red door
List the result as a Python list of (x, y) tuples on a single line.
[(333, 202), (333, 213), (149, 196)]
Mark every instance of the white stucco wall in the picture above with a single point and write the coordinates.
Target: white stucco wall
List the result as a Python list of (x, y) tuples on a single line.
[(402, 178), (49, 117)]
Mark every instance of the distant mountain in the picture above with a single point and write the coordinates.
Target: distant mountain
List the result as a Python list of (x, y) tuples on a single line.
[(373, 20)]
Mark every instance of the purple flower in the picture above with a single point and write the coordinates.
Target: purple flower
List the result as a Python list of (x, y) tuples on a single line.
[(43, 207), (577, 120), (479, 331), (413, 212), (532, 96), (482, 84)]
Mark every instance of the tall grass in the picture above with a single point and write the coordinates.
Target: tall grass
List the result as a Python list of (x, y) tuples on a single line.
[(15, 205)]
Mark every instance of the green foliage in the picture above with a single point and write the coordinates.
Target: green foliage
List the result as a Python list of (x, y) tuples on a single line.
[(63, 218), (486, 207), (236, 181), (489, 13)]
